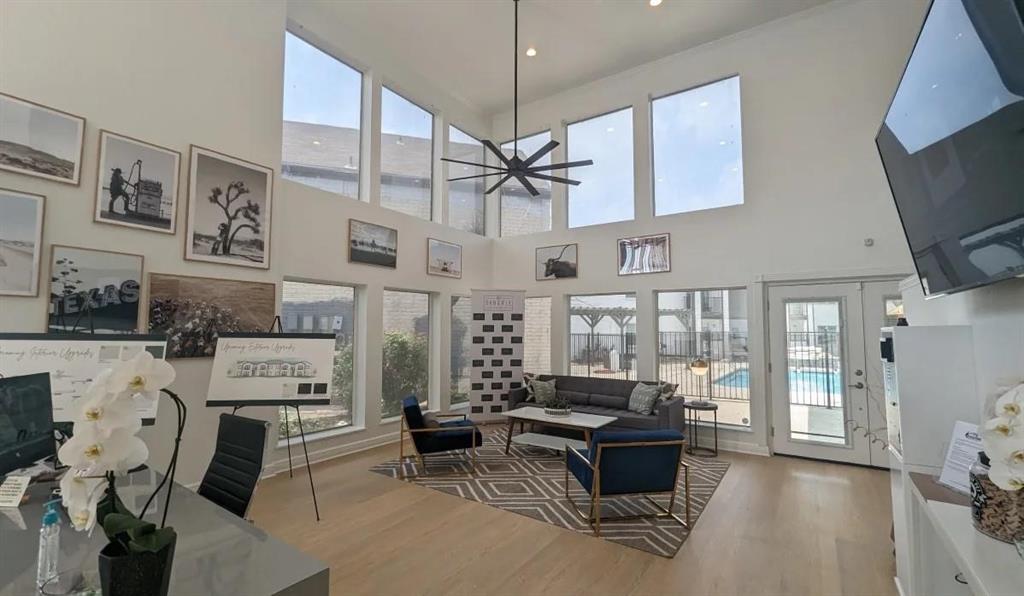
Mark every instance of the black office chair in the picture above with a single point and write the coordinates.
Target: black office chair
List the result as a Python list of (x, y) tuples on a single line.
[(230, 480)]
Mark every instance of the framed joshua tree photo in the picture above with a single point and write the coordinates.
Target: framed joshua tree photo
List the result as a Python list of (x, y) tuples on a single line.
[(229, 207), (94, 291), (136, 184)]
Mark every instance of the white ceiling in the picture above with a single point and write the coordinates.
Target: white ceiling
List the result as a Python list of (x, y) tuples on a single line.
[(465, 46)]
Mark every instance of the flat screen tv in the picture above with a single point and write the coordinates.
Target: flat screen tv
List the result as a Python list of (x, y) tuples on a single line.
[(953, 145)]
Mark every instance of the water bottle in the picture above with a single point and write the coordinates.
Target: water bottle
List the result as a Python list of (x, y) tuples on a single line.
[(49, 544)]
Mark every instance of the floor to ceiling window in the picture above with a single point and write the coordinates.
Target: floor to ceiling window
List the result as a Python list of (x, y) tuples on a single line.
[(406, 350), (605, 193), (462, 320), (406, 155), (322, 108), (322, 308), (537, 336), (698, 148), (465, 197), (602, 336), (711, 325), (521, 212)]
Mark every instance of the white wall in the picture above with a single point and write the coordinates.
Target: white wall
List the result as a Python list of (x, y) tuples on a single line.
[(814, 89), (210, 74)]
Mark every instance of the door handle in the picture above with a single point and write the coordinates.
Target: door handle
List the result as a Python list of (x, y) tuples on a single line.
[(857, 385)]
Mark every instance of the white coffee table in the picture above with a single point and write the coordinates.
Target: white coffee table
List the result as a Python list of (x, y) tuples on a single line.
[(575, 421)]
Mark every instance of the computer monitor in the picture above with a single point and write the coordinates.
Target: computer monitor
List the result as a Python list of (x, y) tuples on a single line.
[(26, 421)]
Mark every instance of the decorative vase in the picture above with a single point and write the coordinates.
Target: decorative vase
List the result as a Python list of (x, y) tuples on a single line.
[(558, 411), (135, 574), (997, 512)]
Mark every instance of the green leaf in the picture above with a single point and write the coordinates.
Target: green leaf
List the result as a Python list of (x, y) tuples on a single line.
[(153, 541), (115, 524)]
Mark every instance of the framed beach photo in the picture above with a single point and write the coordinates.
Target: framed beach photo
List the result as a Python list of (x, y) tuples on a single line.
[(371, 244), (229, 207), (94, 291), (557, 262), (137, 184), (444, 258), (644, 254), (37, 140), (21, 242)]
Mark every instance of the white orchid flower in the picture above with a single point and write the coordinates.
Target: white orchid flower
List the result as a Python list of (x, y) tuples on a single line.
[(108, 413), (1001, 429), (83, 516), (94, 454), (142, 374), (80, 496), (1011, 404), (1007, 477)]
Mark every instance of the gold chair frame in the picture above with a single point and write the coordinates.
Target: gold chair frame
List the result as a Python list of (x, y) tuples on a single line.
[(420, 457), (593, 518)]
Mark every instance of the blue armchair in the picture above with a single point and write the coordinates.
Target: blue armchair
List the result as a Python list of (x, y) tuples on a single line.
[(630, 463), (452, 435)]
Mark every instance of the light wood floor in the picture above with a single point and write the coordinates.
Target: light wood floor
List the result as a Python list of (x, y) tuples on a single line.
[(775, 526)]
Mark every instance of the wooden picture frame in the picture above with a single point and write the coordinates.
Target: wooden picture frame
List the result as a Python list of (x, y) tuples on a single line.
[(627, 250), (137, 292), (219, 181), (13, 249), (14, 151), (372, 256), (148, 208), (440, 270)]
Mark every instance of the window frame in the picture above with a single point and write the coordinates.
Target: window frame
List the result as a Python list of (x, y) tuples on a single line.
[(317, 43), (567, 349), (501, 209), (431, 356), (632, 164), (650, 139), (390, 86), (448, 184)]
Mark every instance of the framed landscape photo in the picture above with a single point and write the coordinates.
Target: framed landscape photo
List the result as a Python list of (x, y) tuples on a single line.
[(21, 242), (444, 258), (371, 244), (40, 141), (557, 262), (94, 291), (137, 184), (191, 311), (229, 207), (644, 254)]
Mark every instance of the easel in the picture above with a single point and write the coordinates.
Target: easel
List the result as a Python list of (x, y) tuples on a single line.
[(277, 327)]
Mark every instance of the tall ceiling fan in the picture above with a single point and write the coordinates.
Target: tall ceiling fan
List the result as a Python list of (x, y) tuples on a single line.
[(515, 167)]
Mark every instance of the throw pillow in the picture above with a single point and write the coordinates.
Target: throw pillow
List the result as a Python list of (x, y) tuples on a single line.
[(528, 383), (643, 398), (429, 421), (543, 391)]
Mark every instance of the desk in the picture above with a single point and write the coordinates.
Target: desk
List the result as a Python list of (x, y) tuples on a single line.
[(217, 553)]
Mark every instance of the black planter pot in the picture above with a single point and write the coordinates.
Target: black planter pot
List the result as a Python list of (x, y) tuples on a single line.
[(135, 574)]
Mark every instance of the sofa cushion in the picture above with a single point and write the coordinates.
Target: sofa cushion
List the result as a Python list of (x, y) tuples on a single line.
[(609, 401), (628, 419), (643, 398), (618, 387), (599, 410), (574, 397)]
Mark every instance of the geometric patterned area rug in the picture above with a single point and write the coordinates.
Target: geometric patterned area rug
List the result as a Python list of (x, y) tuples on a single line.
[(530, 481)]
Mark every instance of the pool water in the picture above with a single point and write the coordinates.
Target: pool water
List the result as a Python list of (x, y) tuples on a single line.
[(800, 381)]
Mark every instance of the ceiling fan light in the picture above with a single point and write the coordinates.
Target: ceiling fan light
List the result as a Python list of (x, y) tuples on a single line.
[(655, 2), (531, 52)]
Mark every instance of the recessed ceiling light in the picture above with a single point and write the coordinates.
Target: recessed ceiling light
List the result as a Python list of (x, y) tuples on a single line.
[(531, 52), (721, 142), (316, 142), (935, 85), (655, 2), (610, 129), (704, 104)]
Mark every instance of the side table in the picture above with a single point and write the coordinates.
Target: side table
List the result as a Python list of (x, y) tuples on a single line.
[(692, 410)]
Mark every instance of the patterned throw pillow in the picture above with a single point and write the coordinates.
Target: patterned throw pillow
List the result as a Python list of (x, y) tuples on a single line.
[(643, 398), (543, 391), (528, 384)]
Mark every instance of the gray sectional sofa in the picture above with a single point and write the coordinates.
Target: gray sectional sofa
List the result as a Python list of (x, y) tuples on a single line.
[(608, 397)]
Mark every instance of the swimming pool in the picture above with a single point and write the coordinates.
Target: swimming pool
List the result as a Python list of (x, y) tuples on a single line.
[(800, 381)]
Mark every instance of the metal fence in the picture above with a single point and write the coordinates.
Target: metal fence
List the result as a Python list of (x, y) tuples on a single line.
[(610, 354), (814, 368), (727, 357)]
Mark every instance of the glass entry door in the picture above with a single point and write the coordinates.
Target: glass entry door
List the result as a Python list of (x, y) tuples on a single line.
[(817, 372)]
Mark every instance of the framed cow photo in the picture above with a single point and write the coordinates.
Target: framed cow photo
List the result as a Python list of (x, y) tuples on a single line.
[(557, 262)]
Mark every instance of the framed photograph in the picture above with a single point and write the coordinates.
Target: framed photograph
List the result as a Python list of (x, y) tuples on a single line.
[(557, 262), (94, 291), (192, 311), (266, 369), (40, 141), (21, 242), (372, 244), (644, 254), (444, 258), (137, 184), (229, 207)]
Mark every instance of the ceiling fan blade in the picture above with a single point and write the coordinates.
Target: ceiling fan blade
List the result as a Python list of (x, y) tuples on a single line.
[(527, 185), (494, 149), (497, 184), (561, 166), (469, 163), (553, 178), (478, 176), (547, 148)]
